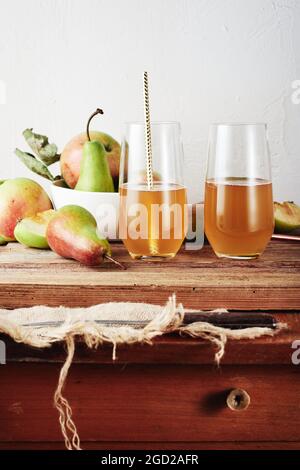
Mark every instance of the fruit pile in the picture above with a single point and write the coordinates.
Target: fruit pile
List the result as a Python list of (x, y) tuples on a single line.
[(89, 162), (27, 216)]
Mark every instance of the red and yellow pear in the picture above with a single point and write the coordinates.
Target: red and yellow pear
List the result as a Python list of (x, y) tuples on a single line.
[(72, 233)]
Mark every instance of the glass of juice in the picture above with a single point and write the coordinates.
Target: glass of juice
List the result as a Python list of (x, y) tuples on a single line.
[(238, 209), (152, 219)]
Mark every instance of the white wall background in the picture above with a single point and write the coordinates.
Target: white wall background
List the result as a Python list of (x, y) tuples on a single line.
[(209, 60)]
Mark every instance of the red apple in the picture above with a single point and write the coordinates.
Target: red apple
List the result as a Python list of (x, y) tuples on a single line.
[(20, 198)]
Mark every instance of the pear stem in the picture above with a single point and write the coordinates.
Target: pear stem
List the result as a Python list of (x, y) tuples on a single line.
[(115, 261), (98, 111)]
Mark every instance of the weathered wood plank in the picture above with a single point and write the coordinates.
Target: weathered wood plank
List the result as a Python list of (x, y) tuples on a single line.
[(137, 403), (169, 278), (262, 298), (98, 445), (200, 280)]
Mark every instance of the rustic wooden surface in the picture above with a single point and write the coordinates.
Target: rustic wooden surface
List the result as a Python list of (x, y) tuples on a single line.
[(30, 277), (151, 403), (200, 280), (119, 446), (169, 395)]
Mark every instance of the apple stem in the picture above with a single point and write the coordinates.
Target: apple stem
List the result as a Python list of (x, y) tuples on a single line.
[(98, 111), (115, 261)]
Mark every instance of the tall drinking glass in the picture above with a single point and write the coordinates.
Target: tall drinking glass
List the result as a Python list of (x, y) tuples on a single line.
[(152, 222), (238, 210)]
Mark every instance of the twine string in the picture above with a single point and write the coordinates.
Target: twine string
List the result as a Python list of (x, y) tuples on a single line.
[(67, 425)]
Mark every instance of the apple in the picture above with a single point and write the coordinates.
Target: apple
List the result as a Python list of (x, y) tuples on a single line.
[(72, 154), (20, 198)]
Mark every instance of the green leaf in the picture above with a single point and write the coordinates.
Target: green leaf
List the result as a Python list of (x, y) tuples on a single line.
[(34, 165), (39, 144)]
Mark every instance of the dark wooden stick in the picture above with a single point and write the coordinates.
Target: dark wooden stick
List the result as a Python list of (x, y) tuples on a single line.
[(231, 320)]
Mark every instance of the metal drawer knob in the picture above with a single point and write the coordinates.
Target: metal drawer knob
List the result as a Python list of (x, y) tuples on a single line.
[(238, 399)]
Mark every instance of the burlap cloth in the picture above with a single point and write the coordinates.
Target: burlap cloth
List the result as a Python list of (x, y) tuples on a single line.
[(80, 323)]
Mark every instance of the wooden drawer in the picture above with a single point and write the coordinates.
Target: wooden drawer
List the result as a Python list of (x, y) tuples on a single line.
[(151, 403)]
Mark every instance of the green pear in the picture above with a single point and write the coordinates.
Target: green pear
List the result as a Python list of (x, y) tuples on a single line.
[(95, 174), (71, 157), (94, 170), (72, 233), (31, 231)]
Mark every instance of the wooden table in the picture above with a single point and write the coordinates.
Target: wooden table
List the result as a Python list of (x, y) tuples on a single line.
[(169, 395)]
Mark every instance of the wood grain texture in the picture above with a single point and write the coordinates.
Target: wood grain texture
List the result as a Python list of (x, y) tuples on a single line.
[(98, 445), (200, 280), (169, 395), (139, 403)]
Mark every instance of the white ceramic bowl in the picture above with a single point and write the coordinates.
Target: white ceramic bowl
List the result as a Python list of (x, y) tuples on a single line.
[(103, 206)]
